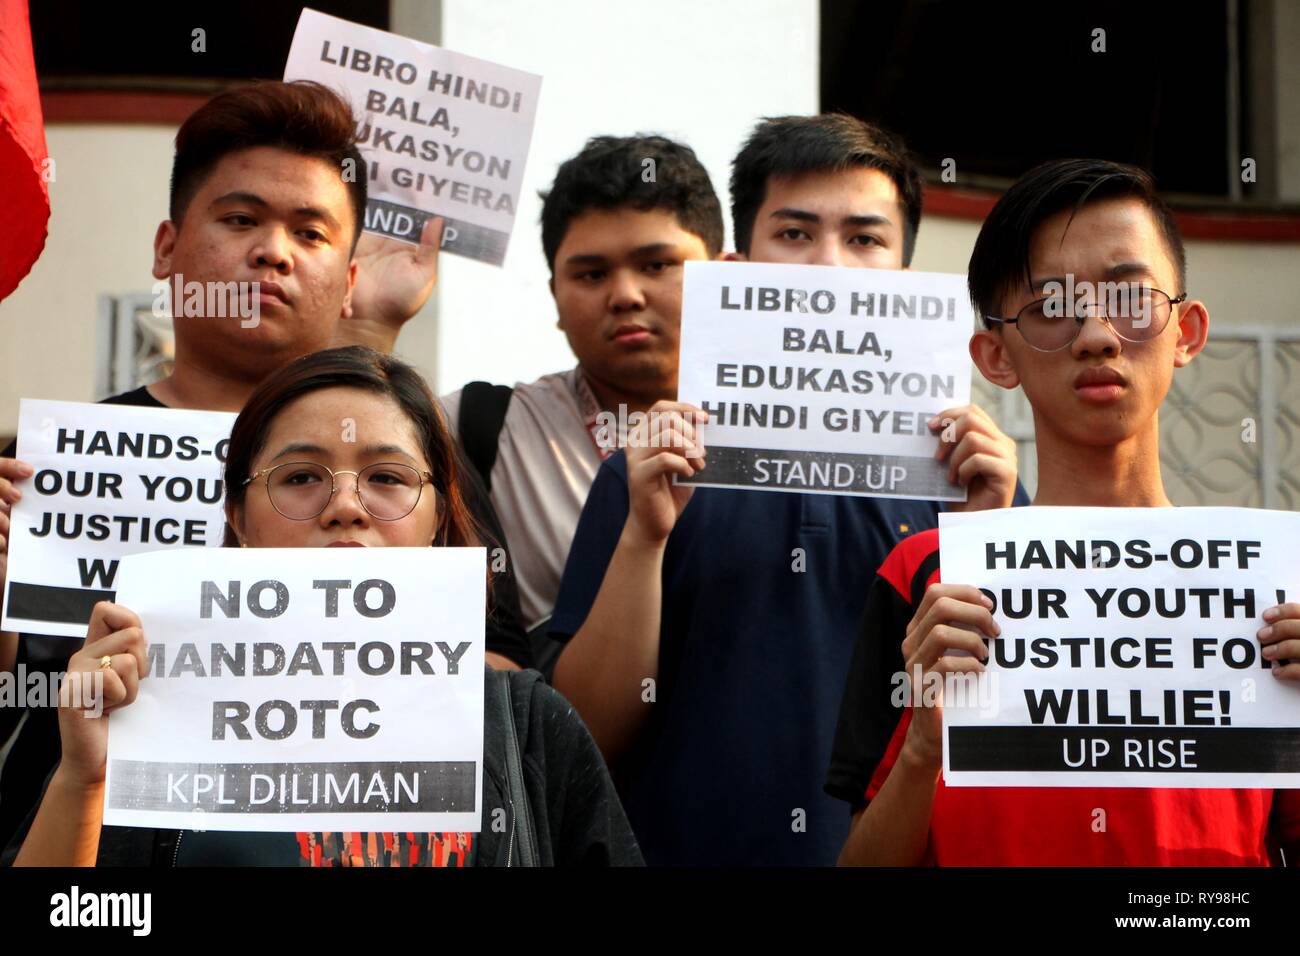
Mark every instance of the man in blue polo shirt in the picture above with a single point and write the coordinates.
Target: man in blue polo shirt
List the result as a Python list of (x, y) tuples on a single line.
[(708, 646)]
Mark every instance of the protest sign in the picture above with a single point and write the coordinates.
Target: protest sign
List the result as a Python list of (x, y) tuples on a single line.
[(111, 480), (1128, 655), (441, 134), (823, 380), (321, 689)]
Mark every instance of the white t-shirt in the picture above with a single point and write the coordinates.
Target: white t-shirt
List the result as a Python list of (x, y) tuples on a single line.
[(547, 458)]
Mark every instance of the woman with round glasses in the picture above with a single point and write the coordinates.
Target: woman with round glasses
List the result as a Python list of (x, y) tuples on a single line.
[(343, 448)]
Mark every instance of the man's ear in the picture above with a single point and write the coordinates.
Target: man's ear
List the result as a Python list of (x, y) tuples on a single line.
[(1193, 330), (353, 268), (988, 350), (164, 245), (732, 257), (559, 319)]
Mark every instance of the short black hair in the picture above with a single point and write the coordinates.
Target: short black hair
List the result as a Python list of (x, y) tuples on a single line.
[(301, 117), (828, 142), (612, 171), (1001, 255)]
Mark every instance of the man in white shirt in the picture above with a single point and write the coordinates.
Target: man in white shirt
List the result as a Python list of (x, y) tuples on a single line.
[(617, 225)]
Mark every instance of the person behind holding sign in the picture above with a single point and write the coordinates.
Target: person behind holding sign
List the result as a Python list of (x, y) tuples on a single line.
[(293, 480), (257, 194), (618, 222), (1095, 383), (707, 645)]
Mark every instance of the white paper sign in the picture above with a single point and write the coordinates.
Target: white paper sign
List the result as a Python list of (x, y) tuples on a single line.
[(319, 689), (1128, 655), (821, 379), (111, 480), (441, 133)]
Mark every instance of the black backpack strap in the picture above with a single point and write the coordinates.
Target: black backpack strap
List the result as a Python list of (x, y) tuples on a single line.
[(481, 417), (921, 576), (546, 650), (522, 832)]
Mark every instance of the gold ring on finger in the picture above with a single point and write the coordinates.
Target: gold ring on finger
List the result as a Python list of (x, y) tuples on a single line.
[(105, 662)]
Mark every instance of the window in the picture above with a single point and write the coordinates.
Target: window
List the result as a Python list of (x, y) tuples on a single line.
[(107, 46), (1182, 89)]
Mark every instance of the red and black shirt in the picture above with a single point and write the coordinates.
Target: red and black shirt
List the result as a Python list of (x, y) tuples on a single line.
[(1031, 826)]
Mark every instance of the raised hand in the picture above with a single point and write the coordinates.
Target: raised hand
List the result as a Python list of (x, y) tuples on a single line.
[(102, 677), (394, 280)]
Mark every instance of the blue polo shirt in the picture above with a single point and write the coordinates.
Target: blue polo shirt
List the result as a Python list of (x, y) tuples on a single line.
[(762, 598)]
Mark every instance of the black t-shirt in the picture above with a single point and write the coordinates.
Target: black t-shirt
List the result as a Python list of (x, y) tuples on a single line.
[(36, 749)]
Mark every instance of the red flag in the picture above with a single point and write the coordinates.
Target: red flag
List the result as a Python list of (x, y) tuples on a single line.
[(23, 187)]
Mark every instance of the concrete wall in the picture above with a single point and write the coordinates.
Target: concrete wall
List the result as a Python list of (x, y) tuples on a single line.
[(1241, 283), (107, 198), (702, 72)]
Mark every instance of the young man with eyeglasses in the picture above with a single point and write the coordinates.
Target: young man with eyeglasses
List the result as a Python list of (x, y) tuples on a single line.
[(1095, 377), (709, 630)]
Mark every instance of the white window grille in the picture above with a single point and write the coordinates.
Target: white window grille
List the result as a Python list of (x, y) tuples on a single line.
[(1229, 427), (135, 347)]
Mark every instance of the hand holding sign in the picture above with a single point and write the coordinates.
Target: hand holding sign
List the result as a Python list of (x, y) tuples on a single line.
[(91, 690), (662, 444), (1280, 638), (12, 471), (951, 617), (981, 457)]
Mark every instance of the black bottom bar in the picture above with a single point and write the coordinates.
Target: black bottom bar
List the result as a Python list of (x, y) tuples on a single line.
[(43, 602), (819, 472), (385, 786), (1260, 750), (463, 238)]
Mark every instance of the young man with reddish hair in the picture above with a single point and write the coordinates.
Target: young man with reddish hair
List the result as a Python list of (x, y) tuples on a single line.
[(267, 186), (1095, 383)]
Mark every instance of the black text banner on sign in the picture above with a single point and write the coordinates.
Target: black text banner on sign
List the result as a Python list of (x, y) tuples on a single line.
[(441, 134), (820, 379), (304, 689), (1128, 655), (111, 480)]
